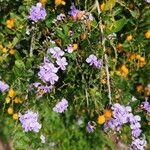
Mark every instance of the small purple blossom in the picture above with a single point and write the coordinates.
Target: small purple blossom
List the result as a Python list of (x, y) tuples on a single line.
[(61, 17), (69, 48), (90, 127), (42, 137), (56, 52), (29, 121), (61, 106), (62, 63), (146, 106), (92, 60), (3, 86), (37, 13), (148, 1), (73, 11)]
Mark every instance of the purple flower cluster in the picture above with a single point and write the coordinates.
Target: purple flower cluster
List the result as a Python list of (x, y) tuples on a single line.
[(121, 116), (146, 106), (61, 106), (138, 144), (37, 13), (60, 17), (3, 86), (29, 121), (93, 60)]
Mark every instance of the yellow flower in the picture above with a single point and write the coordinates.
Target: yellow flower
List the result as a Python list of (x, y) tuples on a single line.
[(10, 110), (11, 93), (102, 6), (7, 100), (15, 116), (129, 37), (101, 119), (4, 50), (107, 114), (139, 88), (124, 71), (17, 100), (10, 23), (12, 52), (43, 2), (59, 2), (147, 34), (75, 46)]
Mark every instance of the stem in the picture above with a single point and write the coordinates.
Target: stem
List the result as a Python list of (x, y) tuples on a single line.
[(31, 48), (105, 55)]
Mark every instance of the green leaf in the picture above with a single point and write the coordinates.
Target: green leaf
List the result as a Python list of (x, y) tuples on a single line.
[(117, 25)]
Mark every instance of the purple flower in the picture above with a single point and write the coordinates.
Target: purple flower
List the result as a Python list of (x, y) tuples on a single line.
[(61, 106), (48, 72), (61, 17), (90, 128), (73, 11), (92, 60), (3, 86), (148, 1), (29, 121), (138, 144), (136, 132), (56, 51), (69, 49), (62, 63), (146, 106), (42, 137), (37, 13)]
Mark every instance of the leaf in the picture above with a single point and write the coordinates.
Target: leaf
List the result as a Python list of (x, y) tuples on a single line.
[(117, 26), (109, 5)]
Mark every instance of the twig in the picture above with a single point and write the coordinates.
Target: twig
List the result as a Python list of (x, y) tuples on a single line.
[(105, 55)]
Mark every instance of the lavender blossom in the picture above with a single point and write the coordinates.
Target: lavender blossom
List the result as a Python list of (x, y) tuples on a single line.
[(73, 11), (69, 48), (90, 128), (92, 60), (62, 63), (3, 86), (146, 106), (61, 106), (29, 121), (61, 17), (37, 13), (148, 1), (56, 51)]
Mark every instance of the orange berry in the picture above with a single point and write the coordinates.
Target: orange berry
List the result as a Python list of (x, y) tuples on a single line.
[(142, 59), (11, 93), (101, 119), (107, 113), (129, 37), (15, 116), (147, 34), (138, 56), (10, 110), (59, 2)]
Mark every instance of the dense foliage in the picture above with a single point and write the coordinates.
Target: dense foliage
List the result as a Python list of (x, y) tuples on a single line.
[(75, 74)]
